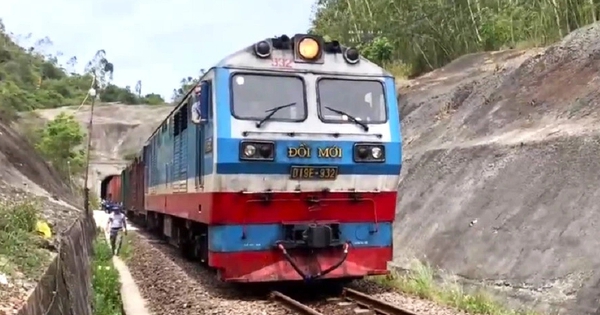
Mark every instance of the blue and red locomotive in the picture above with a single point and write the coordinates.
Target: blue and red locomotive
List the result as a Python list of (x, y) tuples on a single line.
[(289, 172)]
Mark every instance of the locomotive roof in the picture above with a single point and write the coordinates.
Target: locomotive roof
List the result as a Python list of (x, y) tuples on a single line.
[(333, 63)]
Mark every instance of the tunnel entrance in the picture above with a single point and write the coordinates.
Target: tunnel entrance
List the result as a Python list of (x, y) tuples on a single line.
[(104, 186)]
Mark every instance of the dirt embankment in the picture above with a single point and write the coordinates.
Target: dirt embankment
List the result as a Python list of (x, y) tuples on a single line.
[(119, 129), (25, 176), (501, 172)]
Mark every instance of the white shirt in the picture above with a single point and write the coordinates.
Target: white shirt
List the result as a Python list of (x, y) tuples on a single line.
[(196, 116), (117, 220)]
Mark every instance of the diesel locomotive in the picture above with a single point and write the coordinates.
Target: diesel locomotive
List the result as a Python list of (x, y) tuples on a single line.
[(282, 164)]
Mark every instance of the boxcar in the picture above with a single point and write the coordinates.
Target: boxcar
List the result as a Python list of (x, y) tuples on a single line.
[(113, 189)]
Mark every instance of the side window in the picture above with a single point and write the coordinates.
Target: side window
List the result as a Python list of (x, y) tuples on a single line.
[(210, 100), (195, 105), (184, 115), (181, 118), (210, 97)]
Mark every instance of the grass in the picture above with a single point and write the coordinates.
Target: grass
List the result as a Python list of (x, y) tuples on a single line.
[(399, 69), (105, 282), (126, 247), (421, 282), (21, 248)]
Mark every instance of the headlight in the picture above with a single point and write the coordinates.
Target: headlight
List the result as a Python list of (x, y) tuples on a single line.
[(249, 150), (376, 152), (365, 152), (257, 150)]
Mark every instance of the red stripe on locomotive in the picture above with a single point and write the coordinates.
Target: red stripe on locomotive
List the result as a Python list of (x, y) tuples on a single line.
[(238, 208), (261, 266)]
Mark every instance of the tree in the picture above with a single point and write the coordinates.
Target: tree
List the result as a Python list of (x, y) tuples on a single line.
[(71, 65), (138, 88), (410, 37), (184, 86), (100, 69), (60, 141), (153, 99), (32, 77)]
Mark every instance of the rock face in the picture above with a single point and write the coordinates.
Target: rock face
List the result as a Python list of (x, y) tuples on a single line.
[(501, 172), (25, 175)]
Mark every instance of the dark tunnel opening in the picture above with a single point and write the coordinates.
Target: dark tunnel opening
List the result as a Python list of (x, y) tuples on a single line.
[(104, 186)]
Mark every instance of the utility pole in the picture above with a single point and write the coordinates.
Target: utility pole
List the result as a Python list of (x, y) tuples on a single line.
[(86, 189)]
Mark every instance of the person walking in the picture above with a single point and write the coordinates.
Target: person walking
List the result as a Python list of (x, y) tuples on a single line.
[(116, 222)]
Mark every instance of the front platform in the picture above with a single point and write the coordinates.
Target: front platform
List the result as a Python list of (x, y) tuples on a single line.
[(271, 265)]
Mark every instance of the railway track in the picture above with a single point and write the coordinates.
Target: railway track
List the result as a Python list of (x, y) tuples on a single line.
[(350, 302)]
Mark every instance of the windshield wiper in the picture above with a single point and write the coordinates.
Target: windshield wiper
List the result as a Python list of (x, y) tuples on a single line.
[(352, 118), (272, 112)]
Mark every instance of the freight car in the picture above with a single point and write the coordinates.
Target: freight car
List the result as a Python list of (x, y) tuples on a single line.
[(112, 188), (289, 170), (132, 188)]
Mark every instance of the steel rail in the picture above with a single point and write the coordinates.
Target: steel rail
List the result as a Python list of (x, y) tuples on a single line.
[(378, 306), (293, 304)]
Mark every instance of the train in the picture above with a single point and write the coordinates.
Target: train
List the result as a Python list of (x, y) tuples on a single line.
[(281, 164)]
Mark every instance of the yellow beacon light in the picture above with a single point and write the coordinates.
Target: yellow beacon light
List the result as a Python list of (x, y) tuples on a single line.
[(308, 48)]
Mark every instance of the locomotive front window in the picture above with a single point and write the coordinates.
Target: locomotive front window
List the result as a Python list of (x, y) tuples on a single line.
[(363, 100), (255, 96)]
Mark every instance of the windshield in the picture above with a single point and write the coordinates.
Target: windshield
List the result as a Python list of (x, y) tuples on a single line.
[(254, 95), (364, 100)]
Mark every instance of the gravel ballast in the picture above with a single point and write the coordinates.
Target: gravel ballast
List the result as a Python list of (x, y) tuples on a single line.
[(170, 284)]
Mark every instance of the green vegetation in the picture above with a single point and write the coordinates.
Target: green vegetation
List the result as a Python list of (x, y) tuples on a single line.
[(126, 248), (412, 37), (21, 248), (185, 85), (94, 200), (59, 143), (32, 78), (421, 281), (105, 283)]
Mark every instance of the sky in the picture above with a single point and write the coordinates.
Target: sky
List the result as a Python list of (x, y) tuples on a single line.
[(157, 42)]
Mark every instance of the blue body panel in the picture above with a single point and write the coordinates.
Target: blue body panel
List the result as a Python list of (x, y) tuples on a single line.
[(393, 114), (228, 161), (228, 238), (223, 103)]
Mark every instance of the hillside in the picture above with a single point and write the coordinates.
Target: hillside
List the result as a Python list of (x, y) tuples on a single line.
[(30, 189), (119, 131), (500, 172), (498, 180), (34, 77)]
